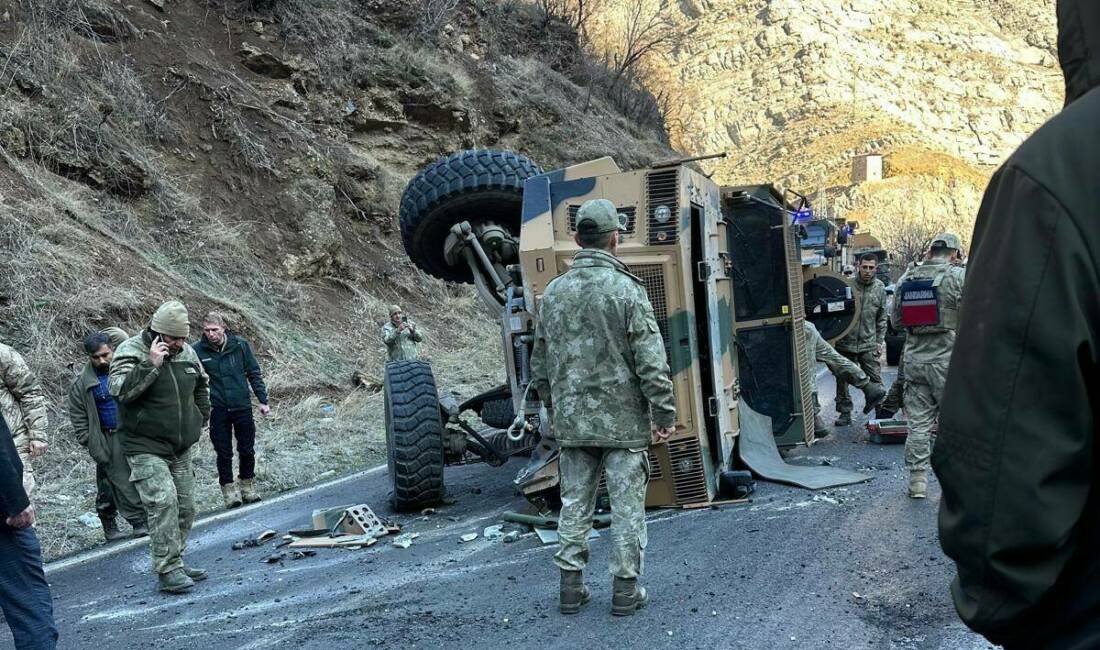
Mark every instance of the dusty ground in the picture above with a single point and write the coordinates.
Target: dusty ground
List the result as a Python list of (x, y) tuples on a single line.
[(854, 568)]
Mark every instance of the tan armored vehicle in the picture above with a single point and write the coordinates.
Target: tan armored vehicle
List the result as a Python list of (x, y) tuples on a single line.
[(722, 267)]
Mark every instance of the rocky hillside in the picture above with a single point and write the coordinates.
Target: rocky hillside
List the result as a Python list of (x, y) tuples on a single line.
[(794, 88), (249, 157)]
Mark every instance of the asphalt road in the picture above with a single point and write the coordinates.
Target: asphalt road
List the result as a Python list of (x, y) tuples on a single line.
[(857, 567)]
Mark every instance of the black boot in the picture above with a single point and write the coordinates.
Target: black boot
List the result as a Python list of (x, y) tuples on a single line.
[(110, 529), (573, 592), (627, 596), (873, 394)]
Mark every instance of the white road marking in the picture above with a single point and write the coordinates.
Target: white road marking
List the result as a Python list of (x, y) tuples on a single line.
[(97, 554)]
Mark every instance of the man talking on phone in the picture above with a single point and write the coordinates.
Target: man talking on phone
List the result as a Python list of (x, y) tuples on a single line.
[(164, 402), (401, 337)]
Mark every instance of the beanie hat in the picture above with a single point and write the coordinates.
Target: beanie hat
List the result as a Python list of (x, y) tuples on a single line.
[(171, 319), (394, 309), (115, 335)]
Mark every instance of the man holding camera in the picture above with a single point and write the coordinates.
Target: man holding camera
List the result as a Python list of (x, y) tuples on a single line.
[(401, 337)]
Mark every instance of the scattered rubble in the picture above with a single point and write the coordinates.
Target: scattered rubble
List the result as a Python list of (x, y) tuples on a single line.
[(405, 540), (468, 537)]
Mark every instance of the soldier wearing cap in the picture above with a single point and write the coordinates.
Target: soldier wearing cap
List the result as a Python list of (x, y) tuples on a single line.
[(401, 336), (926, 305), (599, 366)]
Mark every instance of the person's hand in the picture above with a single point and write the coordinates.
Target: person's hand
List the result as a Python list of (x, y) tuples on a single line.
[(880, 349), (24, 519), (38, 447), (264, 409), (157, 352), (662, 434)]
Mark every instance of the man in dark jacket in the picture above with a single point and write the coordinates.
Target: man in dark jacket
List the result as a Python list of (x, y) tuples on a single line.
[(164, 403), (93, 412), (232, 369), (24, 594), (1018, 454)]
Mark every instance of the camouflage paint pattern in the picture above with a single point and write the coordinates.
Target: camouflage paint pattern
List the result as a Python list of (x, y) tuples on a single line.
[(627, 477), (402, 345), (923, 394), (23, 407), (893, 400), (869, 329), (822, 352), (167, 490)]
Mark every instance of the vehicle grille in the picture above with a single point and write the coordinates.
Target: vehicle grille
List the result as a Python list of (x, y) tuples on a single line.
[(688, 477), (806, 365), (662, 188), (653, 277)]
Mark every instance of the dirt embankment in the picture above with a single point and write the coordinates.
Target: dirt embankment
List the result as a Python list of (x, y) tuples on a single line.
[(249, 157)]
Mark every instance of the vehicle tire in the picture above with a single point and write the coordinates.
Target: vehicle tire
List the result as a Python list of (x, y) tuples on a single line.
[(472, 185), (414, 435), (498, 413)]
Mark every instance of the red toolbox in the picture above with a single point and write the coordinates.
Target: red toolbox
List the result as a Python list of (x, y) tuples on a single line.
[(888, 432)]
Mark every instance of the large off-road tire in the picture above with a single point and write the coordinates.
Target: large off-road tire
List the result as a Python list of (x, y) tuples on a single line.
[(474, 185), (414, 435), (498, 413)]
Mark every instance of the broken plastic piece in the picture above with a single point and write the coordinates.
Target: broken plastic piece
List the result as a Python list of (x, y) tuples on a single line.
[(493, 532), (267, 535), (468, 537), (405, 540)]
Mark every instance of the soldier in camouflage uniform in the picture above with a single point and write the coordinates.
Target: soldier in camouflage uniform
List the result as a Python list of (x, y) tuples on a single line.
[(401, 336), (599, 365), (164, 402), (819, 350), (23, 407), (864, 344), (926, 304)]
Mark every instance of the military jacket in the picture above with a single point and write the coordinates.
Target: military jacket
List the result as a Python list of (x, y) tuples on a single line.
[(161, 410), (599, 359), (870, 329), (22, 402), (402, 345), (934, 345)]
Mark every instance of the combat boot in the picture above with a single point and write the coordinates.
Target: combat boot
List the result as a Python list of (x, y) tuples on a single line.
[(627, 596), (141, 529), (821, 429), (232, 497), (110, 529), (843, 420), (196, 574), (175, 582), (918, 484), (248, 491), (873, 394), (573, 593)]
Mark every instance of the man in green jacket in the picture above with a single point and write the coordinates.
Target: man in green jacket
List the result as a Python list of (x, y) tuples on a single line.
[(164, 403), (865, 343), (94, 415), (401, 336), (232, 368), (599, 364)]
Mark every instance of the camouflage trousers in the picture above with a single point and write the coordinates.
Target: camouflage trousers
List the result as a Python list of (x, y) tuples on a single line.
[(923, 392), (868, 362), (167, 490), (627, 478), (114, 492), (893, 399), (28, 473)]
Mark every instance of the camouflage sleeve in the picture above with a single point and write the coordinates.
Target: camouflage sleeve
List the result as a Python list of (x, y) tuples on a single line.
[(540, 378), (20, 382), (77, 413), (881, 317), (416, 334), (389, 334), (650, 362), (130, 377)]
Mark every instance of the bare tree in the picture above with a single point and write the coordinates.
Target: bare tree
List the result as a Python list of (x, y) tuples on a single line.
[(645, 27), (577, 14)]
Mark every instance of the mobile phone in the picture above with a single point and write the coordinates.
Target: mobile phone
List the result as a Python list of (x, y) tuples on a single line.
[(404, 319)]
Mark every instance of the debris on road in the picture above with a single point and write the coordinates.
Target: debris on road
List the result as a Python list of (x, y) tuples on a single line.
[(493, 532), (539, 521), (266, 536), (340, 541), (427, 511), (244, 543), (511, 536), (275, 557), (468, 537), (405, 540), (887, 432), (714, 504)]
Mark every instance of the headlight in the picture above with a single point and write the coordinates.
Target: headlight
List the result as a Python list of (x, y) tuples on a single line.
[(662, 214)]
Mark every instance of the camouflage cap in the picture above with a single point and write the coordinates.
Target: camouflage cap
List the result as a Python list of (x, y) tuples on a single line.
[(599, 216), (947, 240), (395, 309)]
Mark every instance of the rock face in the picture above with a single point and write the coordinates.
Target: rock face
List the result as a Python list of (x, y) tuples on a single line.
[(793, 87)]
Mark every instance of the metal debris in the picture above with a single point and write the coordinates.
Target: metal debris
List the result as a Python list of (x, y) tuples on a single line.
[(468, 537), (405, 540)]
